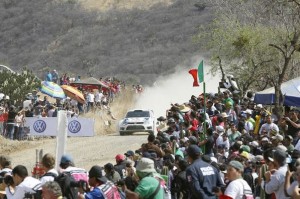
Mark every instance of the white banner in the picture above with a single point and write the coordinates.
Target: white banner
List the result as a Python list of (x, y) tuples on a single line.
[(47, 126)]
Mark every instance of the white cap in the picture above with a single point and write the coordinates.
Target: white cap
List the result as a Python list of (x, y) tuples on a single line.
[(248, 111), (220, 129), (254, 144), (265, 139), (259, 106)]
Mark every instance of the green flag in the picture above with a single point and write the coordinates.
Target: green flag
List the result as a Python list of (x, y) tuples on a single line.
[(201, 72)]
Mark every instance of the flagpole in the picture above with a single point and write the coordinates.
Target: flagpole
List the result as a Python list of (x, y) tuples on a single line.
[(204, 123)]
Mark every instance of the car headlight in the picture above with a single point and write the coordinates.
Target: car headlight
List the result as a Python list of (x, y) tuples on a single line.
[(147, 121), (125, 122)]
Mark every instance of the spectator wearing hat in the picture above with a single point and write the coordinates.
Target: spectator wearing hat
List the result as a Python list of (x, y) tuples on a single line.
[(120, 165), (238, 187), (232, 117), (102, 188), (277, 140), (201, 176), (275, 178), (150, 184), (110, 173), (51, 190), (269, 127), (226, 98), (67, 165), (287, 142), (255, 148), (48, 163)]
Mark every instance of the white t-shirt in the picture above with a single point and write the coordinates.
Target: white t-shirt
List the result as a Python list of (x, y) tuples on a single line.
[(98, 97), (268, 127), (90, 97), (237, 188), (292, 187), (48, 178), (24, 187)]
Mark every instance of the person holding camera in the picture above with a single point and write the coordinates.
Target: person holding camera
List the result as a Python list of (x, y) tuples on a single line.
[(22, 182), (101, 188)]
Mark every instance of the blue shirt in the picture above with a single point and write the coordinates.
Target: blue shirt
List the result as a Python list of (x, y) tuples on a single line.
[(95, 194)]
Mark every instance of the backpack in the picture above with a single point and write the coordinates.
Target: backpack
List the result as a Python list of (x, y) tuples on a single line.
[(110, 191), (166, 190), (68, 185), (36, 194)]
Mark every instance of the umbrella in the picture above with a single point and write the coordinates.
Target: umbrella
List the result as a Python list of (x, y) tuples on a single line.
[(52, 89), (73, 93)]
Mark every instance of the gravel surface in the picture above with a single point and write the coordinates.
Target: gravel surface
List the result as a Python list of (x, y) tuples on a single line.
[(86, 151)]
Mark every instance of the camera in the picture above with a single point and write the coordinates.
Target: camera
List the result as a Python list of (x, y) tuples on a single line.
[(120, 183), (80, 184), (292, 165)]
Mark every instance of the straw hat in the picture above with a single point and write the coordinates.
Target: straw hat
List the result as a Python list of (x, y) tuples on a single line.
[(183, 108)]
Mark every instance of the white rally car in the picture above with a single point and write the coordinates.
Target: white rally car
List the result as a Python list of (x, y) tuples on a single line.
[(138, 121)]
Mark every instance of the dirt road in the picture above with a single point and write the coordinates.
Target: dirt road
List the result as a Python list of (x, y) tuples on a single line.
[(86, 151)]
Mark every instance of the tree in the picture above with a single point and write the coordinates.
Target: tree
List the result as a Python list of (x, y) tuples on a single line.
[(257, 40), (17, 86)]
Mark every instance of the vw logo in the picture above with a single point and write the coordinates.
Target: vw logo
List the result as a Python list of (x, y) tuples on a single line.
[(39, 126), (74, 126)]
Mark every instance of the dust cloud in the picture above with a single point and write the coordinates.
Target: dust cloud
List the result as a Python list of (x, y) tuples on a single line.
[(175, 88)]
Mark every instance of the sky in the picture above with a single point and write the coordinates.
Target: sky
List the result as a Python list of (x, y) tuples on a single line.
[(175, 88)]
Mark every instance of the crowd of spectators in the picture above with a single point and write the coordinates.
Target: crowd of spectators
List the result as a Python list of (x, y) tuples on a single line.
[(12, 117), (228, 149)]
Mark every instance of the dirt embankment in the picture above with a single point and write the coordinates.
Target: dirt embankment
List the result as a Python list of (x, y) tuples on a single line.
[(86, 151)]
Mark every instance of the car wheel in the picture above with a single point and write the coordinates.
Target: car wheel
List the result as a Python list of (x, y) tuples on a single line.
[(122, 133)]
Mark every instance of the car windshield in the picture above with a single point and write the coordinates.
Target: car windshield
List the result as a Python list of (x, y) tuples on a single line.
[(138, 114)]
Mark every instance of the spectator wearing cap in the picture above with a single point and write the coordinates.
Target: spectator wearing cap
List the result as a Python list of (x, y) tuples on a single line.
[(275, 178), (150, 181), (151, 146), (269, 126), (293, 123), (276, 140), (110, 173), (101, 186), (287, 142), (67, 165), (130, 157), (201, 176), (238, 187), (255, 148), (232, 117), (120, 165), (226, 98)]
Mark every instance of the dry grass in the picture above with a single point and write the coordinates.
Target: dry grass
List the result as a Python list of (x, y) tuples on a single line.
[(105, 5)]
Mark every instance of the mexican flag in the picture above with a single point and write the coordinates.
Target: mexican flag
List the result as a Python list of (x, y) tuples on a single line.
[(198, 74)]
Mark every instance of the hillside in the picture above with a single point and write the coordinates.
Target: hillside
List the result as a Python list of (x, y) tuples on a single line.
[(134, 43)]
